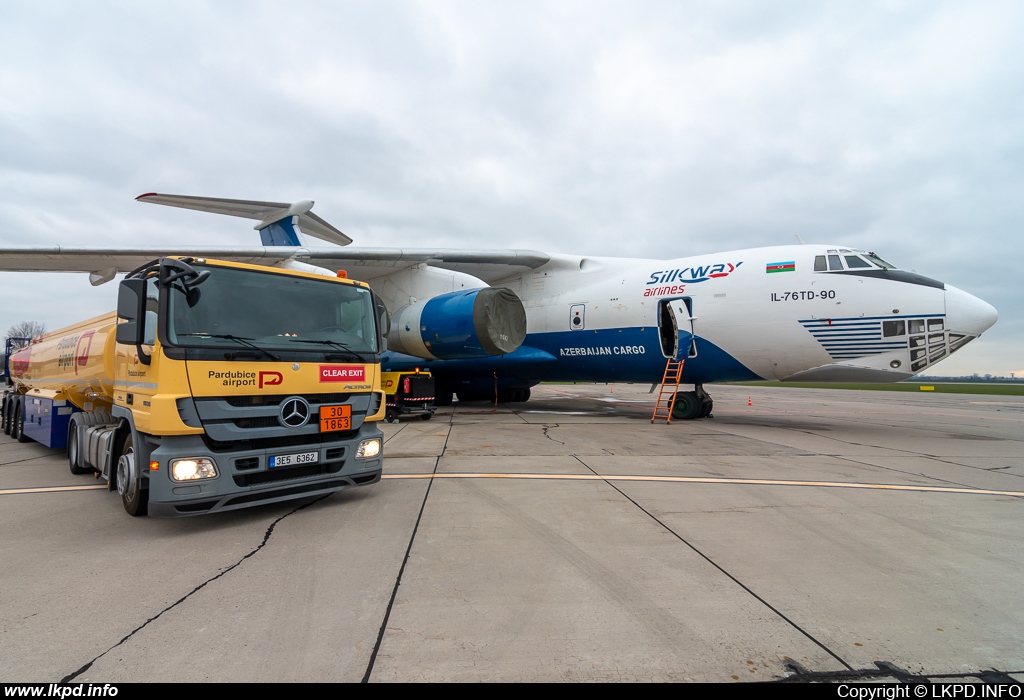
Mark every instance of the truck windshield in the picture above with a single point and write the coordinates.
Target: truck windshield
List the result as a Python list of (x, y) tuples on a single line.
[(238, 307)]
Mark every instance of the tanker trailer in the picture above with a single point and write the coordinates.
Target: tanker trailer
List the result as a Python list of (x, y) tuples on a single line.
[(214, 386)]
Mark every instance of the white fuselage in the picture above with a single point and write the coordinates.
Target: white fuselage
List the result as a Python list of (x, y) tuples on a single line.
[(757, 313)]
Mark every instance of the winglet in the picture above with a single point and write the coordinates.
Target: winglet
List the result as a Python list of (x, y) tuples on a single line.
[(267, 213)]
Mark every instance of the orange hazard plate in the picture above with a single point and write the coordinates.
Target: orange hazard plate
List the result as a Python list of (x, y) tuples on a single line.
[(335, 418)]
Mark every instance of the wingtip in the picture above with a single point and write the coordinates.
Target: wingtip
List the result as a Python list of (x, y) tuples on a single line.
[(148, 194)]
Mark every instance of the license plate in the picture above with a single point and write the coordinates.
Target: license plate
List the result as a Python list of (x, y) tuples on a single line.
[(292, 460), (335, 418)]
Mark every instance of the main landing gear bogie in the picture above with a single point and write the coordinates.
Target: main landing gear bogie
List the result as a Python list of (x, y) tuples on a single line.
[(690, 405)]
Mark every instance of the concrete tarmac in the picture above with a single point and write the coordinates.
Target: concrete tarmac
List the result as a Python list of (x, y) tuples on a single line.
[(812, 535)]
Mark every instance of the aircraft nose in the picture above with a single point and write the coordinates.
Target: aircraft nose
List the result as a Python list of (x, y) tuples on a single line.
[(967, 314)]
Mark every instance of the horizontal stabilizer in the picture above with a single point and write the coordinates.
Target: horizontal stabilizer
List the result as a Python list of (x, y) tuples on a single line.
[(266, 213)]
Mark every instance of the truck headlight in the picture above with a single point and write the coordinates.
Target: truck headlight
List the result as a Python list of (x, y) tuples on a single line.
[(368, 449), (192, 469)]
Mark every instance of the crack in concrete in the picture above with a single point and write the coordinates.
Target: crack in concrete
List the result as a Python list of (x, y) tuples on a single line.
[(712, 562), (405, 560), (797, 673), (548, 436), (266, 538)]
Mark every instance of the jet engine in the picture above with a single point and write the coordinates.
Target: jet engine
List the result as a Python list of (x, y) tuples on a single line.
[(460, 325)]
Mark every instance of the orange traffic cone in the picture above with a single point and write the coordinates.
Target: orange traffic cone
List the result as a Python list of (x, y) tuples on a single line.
[(750, 402)]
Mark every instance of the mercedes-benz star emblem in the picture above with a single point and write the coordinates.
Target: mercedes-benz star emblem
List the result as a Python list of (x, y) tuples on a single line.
[(294, 412)]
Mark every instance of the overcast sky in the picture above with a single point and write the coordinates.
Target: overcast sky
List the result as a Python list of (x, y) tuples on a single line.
[(624, 129)]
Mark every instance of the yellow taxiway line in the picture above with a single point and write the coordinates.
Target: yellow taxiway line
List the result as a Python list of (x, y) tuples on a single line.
[(51, 489), (707, 480), (620, 477)]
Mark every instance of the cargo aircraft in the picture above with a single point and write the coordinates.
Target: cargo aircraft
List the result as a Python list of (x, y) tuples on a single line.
[(490, 324)]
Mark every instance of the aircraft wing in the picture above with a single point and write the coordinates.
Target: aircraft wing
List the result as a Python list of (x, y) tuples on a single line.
[(362, 263)]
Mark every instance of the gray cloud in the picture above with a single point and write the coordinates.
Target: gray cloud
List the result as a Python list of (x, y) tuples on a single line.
[(633, 129)]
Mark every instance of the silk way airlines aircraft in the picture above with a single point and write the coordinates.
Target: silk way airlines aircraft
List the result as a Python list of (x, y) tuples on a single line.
[(489, 324)]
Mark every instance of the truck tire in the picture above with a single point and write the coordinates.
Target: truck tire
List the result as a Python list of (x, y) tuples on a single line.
[(9, 415), (134, 497), (19, 422), (75, 452)]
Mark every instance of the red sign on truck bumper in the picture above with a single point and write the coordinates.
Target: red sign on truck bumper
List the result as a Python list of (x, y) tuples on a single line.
[(342, 373)]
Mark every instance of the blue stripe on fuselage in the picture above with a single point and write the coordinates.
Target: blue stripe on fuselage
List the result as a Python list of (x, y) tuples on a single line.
[(609, 355)]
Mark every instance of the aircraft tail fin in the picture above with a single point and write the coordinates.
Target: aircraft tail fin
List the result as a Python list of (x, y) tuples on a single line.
[(277, 220)]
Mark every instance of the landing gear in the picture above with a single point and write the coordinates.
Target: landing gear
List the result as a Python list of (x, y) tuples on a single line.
[(693, 404), (706, 402), (687, 406)]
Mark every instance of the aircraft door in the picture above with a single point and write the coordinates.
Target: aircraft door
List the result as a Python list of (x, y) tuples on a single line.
[(675, 328)]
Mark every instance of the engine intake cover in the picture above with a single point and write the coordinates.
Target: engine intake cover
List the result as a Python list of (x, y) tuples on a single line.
[(461, 325)]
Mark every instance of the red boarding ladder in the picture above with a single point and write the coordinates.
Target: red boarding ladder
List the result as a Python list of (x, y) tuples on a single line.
[(667, 393)]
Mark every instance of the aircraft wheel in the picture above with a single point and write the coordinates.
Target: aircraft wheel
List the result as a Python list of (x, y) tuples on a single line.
[(465, 396), (526, 395), (687, 406), (705, 407), (442, 397), (134, 497)]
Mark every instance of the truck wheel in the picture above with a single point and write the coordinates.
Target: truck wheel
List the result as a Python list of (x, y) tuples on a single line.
[(19, 422), (391, 416), (9, 416), (74, 452), (129, 481), (426, 416)]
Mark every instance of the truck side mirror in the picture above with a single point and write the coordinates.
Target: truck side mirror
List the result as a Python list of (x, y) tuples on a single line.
[(131, 307)]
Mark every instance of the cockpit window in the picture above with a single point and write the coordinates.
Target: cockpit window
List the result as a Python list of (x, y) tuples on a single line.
[(839, 259), (878, 261)]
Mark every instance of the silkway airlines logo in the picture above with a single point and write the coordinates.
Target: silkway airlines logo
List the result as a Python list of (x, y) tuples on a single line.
[(675, 279)]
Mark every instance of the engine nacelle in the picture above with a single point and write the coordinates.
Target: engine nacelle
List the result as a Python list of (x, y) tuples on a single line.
[(460, 325)]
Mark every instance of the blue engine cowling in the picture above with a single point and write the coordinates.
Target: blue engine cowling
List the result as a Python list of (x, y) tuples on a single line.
[(460, 325)]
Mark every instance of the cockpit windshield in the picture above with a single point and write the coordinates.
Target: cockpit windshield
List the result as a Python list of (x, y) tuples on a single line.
[(846, 259), (242, 308), (878, 261)]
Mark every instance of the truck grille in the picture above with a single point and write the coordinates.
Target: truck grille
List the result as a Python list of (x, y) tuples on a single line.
[(237, 419), (314, 400), (277, 475)]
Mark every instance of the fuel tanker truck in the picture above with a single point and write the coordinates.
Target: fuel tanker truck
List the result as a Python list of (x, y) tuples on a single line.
[(214, 386)]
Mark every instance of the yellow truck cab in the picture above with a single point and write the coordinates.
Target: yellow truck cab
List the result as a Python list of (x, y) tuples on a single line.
[(216, 386)]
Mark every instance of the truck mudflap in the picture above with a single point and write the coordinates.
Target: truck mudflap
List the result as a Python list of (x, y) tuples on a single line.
[(249, 477)]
